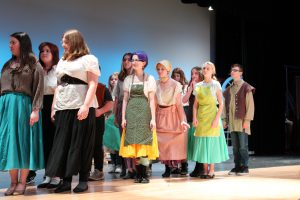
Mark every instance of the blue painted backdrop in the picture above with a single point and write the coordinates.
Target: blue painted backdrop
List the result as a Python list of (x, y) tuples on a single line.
[(164, 29)]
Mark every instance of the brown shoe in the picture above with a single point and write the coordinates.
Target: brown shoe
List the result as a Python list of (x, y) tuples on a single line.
[(11, 189), (20, 189)]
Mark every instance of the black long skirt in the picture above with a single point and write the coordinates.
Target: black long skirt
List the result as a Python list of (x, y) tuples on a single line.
[(48, 126), (73, 145)]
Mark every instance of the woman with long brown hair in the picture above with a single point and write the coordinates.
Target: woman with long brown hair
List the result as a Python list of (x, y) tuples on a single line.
[(73, 110), (22, 89)]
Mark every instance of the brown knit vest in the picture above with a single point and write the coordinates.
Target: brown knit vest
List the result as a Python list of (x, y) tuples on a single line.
[(240, 100)]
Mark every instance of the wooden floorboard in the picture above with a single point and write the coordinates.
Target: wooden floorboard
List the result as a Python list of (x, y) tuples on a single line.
[(262, 183)]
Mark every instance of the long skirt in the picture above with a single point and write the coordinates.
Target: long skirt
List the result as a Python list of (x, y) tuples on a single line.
[(111, 137), (48, 126), (21, 145), (139, 150), (172, 141), (73, 144), (191, 139), (211, 149)]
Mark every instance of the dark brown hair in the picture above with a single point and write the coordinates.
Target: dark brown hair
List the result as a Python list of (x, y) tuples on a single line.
[(179, 71), (54, 51), (123, 73)]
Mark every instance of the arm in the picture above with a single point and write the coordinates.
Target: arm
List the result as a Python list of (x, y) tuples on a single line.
[(124, 106), (37, 94), (224, 116), (181, 113), (152, 108), (195, 108), (220, 101), (186, 97), (52, 107), (249, 110), (92, 86), (107, 107)]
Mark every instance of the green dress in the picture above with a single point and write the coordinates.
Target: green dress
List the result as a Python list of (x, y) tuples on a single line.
[(210, 144)]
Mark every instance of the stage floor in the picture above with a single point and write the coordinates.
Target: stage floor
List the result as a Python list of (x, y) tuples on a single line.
[(269, 178)]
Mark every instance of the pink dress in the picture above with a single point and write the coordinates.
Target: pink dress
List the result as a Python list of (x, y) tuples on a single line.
[(172, 141)]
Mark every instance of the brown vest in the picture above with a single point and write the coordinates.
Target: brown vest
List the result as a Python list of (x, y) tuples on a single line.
[(240, 100), (100, 94)]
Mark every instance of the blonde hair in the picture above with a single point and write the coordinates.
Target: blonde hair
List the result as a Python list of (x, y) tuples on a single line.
[(78, 47), (110, 87), (212, 65)]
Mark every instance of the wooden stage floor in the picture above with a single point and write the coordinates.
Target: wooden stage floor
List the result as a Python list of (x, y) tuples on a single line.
[(262, 183)]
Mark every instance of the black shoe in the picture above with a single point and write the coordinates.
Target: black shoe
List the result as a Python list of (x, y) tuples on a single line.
[(175, 171), (167, 172), (30, 177), (210, 176), (144, 180), (52, 186), (81, 187), (123, 173), (234, 171), (244, 170), (43, 185), (184, 169), (66, 186), (197, 170)]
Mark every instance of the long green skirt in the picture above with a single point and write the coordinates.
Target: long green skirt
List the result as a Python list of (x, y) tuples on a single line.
[(21, 145), (111, 137)]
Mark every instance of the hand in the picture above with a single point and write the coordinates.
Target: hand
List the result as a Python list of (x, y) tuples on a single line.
[(215, 123), (246, 124), (152, 125), (53, 115), (185, 126), (83, 112), (124, 123), (225, 125), (98, 112), (195, 122), (34, 117)]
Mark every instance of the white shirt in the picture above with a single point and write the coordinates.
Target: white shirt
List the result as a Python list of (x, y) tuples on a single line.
[(50, 81), (149, 84), (72, 96)]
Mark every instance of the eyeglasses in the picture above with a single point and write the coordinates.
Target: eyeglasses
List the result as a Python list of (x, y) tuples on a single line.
[(136, 60), (235, 70)]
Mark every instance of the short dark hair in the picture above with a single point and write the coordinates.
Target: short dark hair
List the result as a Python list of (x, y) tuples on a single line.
[(54, 51), (239, 66)]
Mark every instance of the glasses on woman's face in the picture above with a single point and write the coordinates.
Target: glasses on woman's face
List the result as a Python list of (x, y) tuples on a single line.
[(135, 60), (235, 70)]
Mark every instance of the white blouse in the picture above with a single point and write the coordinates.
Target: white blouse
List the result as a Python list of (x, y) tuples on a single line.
[(149, 84), (50, 81), (72, 96), (167, 96)]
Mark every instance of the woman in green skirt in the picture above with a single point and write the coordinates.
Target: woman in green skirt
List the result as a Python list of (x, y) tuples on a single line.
[(22, 89)]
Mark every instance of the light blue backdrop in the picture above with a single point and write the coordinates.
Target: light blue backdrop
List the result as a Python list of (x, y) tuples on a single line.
[(164, 29)]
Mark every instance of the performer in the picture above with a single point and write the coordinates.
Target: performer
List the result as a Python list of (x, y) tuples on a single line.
[(139, 140), (210, 145), (74, 113), (22, 90)]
